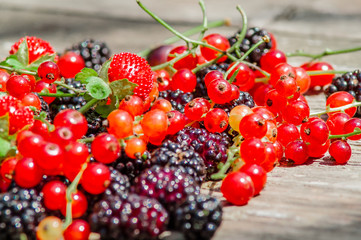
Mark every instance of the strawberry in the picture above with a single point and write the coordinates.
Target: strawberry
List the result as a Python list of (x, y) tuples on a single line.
[(135, 69), (20, 118), (8, 104), (37, 48)]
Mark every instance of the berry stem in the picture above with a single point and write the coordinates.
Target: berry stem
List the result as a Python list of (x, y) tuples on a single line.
[(205, 20), (171, 62), (314, 73), (86, 140), (42, 117), (242, 34), (356, 131), (88, 105), (21, 71), (63, 84), (59, 94), (233, 154), (69, 191), (342, 109), (327, 52), (199, 67)]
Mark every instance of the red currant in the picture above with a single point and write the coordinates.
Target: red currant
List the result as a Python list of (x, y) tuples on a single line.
[(350, 126), (216, 120), (253, 125), (340, 151), (184, 79), (218, 41), (339, 99), (336, 122), (297, 152), (135, 147), (70, 64), (315, 130), (176, 120), (286, 133), (219, 91), (77, 230), (296, 112), (271, 59), (237, 188), (258, 176), (195, 109), (133, 104), (189, 61), (27, 173), (79, 205), (96, 178), (120, 124), (279, 70), (54, 194), (105, 148), (155, 124), (18, 86), (49, 72)]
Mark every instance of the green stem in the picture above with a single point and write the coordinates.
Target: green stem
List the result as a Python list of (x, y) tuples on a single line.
[(60, 94), (86, 140), (327, 52), (232, 153), (42, 117), (356, 131), (21, 71), (205, 21), (242, 34), (342, 109), (62, 84), (206, 64), (171, 62), (69, 192), (328, 72), (88, 105)]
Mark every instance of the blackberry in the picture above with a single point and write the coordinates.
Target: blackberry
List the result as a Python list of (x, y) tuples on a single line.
[(199, 217), (201, 90), (253, 36), (132, 167), (177, 98), (45, 108), (169, 185), (349, 82), (244, 99), (134, 217), (212, 147), (94, 53), (174, 154), (21, 211), (95, 123)]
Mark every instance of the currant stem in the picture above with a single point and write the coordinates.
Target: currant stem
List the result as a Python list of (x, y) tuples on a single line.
[(60, 94), (62, 84), (199, 67), (356, 131), (69, 191), (342, 109), (327, 52), (242, 34), (88, 105), (329, 72), (86, 140), (232, 153), (171, 62), (205, 20), (21, 71), (42, 117)]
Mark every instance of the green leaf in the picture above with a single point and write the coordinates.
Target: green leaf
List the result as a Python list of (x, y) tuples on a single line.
[(103, 73), (122, 88), (12, 61), (5, 147), (4, 126), (23, 53), (35, 65), (97, 88), (85, 74), (105, 109)]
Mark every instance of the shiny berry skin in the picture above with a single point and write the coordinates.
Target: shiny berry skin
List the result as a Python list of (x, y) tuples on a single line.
[(286, 133), (245, 78), (271, 59), (278, 150), (50, 157), (155, 123), (218, 41), (76, 153), (79, 205), (252, 151), (303, 80), (210, 76), (236, 115), (7, 169), (258, 176), (336, 122), (50, 228), (350, 126), (70, 64), (259, 92), (316, 150), (296, 112), (30, 146), (275, 102), (297, 152), (49, 72), (162, 104), (237, 188), (18, 86), (96, 178), (253, 125), (319, 80), (135, 147), (32, 80), (339, 99), (4, 77), (54, 194), (31, 99), (216, 120), (44, 87), (177, 122), (133, 105), (189, 61), (286, 86), (184, 79), (61, 136), (77, 230), (315, 130), (105, 148), (219, 91), (340, 151), (27, 173), (270, 157), (264, 112), (159, 55), (195, 109), (279, 70), (72, 119), (120, 124), (20, 118)]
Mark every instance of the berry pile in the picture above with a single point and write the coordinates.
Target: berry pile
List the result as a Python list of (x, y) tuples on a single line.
[(114, 148)]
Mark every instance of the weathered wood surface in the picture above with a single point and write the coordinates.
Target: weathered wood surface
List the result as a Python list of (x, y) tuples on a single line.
[(317, 200)]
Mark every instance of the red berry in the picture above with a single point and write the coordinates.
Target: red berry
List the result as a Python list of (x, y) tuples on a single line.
[(61, 136), (286, 133), (29, 146), (135, 69), (340, 151), (195, 109), (216, 120), (54, 194), (219, 91), (162, 104), (20, 118), (315, 130), (339, 99), (253, 125), (135, 147), (70, 64), (77, 230), (4, 77), (336, 122), (252, 151), (270, 157), (176, 121), (271, 59), (184, 79), (76, 153), (49, 72), (259, 92), (18, 86), (50, 158), (155, 124), (237, 188), (303, 80), (279, 70), (105, 148), (79, 205), (96, 178), (133, 105), (120, 124), (296, 112), (44, 87), (210, 76), (350, 126), (72, 119), (189, 61), (316, 150), (258, 176), (319, 80), (297, 152), (7, 169), (245, 77), (27, 173), (31, 99), (218, 41), (275, 102), (286, 86)]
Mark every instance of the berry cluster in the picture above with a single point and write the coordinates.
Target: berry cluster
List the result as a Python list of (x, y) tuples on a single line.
[(110, 146)]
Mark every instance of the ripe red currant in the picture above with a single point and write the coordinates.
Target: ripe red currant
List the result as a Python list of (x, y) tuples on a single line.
[(184, 79), (49, 72), (218, 41), (237, 188), (96, 178), (340, 151), (70, 64), (216, 120)]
